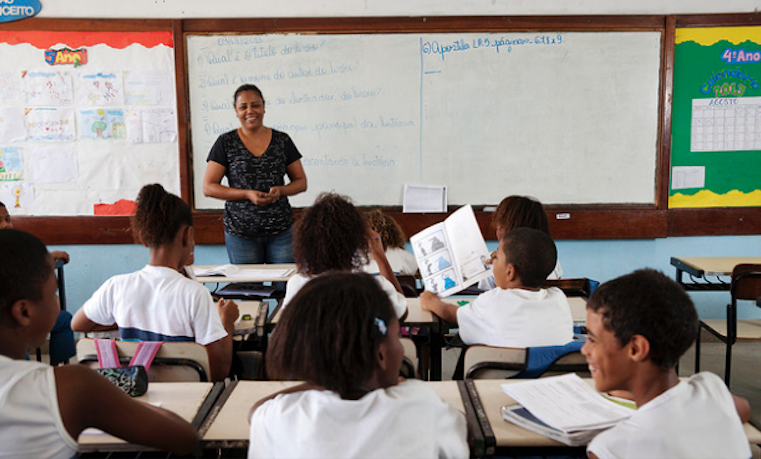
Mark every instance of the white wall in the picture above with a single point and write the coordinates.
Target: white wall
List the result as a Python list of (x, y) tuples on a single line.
[(181, 9)]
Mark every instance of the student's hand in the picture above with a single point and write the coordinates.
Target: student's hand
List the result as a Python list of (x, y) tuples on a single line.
[(259, 198), (228, 311), (60, 255), (375, 244), (491, 258), (427, 299)]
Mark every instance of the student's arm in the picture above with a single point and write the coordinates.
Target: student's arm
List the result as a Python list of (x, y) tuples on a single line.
[(221, 351), (212, 187), (743, 408), (379, 255), (429, 301), (298, 182), (86, 399), (60, 255), (81, 323)]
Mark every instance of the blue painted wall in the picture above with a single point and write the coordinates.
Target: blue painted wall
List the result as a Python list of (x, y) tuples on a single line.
[(601, 260)]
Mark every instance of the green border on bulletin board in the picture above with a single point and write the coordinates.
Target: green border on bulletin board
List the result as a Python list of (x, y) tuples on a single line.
[(724, 64)]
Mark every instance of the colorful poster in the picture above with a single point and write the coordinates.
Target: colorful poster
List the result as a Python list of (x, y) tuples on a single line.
[(102, 124), (50, 124), (99, 89), (18, 197), (11, 164), (716, 118), (12, 125), (48, 88)]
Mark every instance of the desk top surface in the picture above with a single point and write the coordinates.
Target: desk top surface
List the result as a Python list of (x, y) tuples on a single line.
[(258, 272), (712, 266), (182, 398), (231, 423)]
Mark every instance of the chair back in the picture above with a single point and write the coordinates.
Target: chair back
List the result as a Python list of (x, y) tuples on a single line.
[(175, 360), (488, 362), (408, 282), (579, 286), (746, 282), (409, 362)]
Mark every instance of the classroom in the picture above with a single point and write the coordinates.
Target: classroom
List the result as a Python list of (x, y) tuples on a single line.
[(599, 234)]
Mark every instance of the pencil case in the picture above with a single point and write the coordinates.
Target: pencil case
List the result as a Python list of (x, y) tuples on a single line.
[(132, 380)]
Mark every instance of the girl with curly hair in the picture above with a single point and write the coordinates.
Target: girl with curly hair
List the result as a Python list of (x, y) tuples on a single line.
[(393, 239)]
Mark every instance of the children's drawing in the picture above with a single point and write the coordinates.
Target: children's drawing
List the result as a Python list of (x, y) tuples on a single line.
[(50, 124), (102, 124), (151, 125), (99, 89), (148, 88), (48, 88), (12, 125), (11, 164), (18, 196), (431, 243), (10, 85), (442, 281)]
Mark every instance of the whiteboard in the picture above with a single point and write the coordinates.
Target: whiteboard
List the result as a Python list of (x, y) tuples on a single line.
[(566, 117)]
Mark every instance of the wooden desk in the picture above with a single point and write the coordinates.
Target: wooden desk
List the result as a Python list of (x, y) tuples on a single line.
[(504, 437), (257, 310), (263, 277), (700, 268), (192, 401), (228, 425)]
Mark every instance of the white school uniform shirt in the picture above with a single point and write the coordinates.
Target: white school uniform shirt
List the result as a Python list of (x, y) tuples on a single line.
[(489, 283), (398, 301), (408, 420), (696, 418), (30, 421), (401, 261), (157, 304), (517, 318)]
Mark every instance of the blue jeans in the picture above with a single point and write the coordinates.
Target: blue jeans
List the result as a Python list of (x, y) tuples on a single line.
[(262, 249)]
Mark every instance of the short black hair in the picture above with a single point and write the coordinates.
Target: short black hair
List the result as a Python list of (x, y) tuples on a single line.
[(329, 334), (648, 303), (533, 254), (247, 87), (24, 268)]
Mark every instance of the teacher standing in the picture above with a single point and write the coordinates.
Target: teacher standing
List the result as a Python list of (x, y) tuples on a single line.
[(258, 218)]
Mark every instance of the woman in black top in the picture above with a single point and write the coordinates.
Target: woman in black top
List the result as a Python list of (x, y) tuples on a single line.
[(255, 159)]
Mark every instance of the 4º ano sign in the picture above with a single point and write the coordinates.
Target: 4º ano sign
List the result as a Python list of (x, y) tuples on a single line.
[(14, 10)]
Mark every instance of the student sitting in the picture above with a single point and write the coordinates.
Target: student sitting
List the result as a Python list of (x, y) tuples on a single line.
[(43, 409), (333, 236), (639, 325), (393, 239), (518, 313), (519, 212), (341, 336), (158, 303)]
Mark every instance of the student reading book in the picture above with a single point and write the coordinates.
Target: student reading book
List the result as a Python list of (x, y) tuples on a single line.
[(639, 325)]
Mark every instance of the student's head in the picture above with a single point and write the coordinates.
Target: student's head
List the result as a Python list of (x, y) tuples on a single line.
[(389, 230), (330, 236), (161, 218), (643, 318), (27, 285), (519, 211), (5, 217), (339, 332), (531, 253)]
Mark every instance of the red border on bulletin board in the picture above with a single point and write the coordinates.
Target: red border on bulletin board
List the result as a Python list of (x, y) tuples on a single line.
[(46, 39)]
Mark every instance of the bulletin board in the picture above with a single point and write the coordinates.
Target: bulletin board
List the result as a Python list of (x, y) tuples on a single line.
[(716, 131), (86, 119)]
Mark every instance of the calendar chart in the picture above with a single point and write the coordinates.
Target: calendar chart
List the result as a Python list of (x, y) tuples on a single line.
[(731, 124)]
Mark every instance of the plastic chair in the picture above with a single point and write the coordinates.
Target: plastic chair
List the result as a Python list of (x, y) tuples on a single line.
[(746, 285), (489, 362), (408, 282), (577, 286), (175, 360)]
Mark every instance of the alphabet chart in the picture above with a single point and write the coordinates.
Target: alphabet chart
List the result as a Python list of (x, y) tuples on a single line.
[(730, 124)]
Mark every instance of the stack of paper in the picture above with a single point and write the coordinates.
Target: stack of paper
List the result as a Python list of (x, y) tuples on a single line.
[(564, 408)]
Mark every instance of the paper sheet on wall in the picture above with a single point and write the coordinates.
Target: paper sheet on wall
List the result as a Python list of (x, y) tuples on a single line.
[(688, 177), (53, 164), (10, 85), (18, 197), (424, 198), (151, 125), (102, 124), (148, 88), (12, 125), (48, 88), (50, 124), (11, 164), (99, 89)]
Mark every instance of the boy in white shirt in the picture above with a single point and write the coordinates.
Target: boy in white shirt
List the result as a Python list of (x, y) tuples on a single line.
[(518, 313), (639, 325)]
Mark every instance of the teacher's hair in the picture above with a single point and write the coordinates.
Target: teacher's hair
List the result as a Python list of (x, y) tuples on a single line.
[(244, 88), (331, 235), (24, 268), (159, 216), (330, 333)]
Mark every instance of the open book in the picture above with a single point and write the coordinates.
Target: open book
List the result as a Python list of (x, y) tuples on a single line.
[(562, 408), (451, 255)]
